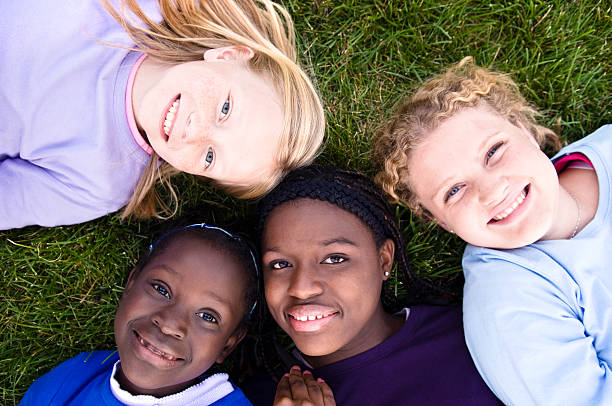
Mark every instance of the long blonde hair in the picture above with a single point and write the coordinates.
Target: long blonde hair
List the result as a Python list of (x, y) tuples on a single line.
[(188, 28), (462, 86)]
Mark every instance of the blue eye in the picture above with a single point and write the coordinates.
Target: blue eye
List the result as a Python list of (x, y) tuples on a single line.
[(207, 317), (161, 290), (210, 157), (226, 107), (334, 259), (452, 192), (493, 150), (279, 265)]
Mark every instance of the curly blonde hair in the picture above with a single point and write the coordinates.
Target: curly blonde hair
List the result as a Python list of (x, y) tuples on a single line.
[(462, 86), (190, 27)]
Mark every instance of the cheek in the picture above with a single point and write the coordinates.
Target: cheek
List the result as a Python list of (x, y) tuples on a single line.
[(273, 290)]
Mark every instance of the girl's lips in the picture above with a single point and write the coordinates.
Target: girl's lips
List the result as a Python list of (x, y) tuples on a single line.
[(513, 209), (310, 318), (169, 117), (153, 354)]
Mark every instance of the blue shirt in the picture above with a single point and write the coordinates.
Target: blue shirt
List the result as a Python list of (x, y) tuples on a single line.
[(85, 380), (538, 319)]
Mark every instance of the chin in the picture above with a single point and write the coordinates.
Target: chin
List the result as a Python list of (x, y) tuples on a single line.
[(314, 348)]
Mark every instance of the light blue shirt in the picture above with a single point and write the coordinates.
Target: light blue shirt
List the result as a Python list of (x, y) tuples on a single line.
[(538, 319)]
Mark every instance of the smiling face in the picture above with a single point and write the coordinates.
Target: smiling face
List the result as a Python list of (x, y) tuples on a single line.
[(214, 118), (487, 180), (178, 316), (323, 276)]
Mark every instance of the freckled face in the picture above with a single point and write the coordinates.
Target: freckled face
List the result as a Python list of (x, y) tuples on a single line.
[(214, 118), (486, 179), (178, 316), (323, 278)]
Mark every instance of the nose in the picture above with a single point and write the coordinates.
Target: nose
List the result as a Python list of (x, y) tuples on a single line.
[(171, 322), (492, 189), (197, 131), (305, 282)]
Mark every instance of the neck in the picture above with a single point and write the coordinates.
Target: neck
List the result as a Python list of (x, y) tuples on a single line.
[(381, 326), (135, 390), (577, 203)]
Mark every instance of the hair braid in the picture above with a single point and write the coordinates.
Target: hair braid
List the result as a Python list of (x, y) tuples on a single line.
[(355, 193)]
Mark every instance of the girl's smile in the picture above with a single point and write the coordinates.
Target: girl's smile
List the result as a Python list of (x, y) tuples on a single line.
[(311, 317), (152, 353), (178, 316), (213, 117), (323, 277)]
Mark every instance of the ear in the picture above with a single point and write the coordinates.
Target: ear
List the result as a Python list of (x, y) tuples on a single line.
[(443, 225), (231, 343), (386, 255), (232, 53)]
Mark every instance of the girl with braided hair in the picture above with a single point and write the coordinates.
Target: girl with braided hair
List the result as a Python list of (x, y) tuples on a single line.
[(105, 99), (329, 242)]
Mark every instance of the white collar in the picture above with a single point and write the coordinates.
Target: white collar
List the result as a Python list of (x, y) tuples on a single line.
[(204, 393)]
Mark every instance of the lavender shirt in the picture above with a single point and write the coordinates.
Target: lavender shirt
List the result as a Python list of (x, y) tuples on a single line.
[(66, 151)]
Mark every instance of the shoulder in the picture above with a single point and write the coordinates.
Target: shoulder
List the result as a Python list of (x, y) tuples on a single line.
[(69, 377), (597, 146), (235, 398)]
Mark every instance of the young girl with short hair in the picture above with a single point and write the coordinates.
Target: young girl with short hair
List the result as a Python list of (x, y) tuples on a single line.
[(329, 242), (103, 100), (185, 307), (466, 151)]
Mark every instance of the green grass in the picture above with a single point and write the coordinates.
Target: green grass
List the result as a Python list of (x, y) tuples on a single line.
[(60, 286)]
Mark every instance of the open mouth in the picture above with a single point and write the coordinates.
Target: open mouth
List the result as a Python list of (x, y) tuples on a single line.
[(170, 116), (512, 207), (311, 317), (156, 350)]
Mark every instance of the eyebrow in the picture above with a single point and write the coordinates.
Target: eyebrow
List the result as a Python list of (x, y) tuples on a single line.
[(483, 145), (325, 243), (338, 240), (166, 268), (440, 188)]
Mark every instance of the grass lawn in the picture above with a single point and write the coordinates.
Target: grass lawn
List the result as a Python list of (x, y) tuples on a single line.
[(60, 286)]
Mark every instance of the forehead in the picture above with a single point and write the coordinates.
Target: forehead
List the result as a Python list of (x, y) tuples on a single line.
[(199, 265), (308, 220), (454, 144)]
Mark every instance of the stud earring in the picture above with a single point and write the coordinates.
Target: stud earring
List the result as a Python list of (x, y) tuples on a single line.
[(386, 273)]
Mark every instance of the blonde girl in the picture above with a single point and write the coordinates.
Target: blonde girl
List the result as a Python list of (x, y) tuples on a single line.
[(103, 101), (467, 152)]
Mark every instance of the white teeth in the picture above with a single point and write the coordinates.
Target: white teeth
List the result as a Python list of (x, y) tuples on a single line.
[(170, 116), (308, 318), (155, 350), (510, 209)]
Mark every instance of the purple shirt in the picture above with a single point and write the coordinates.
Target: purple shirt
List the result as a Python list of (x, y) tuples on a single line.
[(425, 363)]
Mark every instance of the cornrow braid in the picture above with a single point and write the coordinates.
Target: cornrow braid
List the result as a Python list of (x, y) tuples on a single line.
[(355, 193)]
